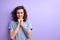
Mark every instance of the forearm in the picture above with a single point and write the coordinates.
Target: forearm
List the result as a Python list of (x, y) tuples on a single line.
[(24, 29), (28, 33), (14, 32), (17, 28)]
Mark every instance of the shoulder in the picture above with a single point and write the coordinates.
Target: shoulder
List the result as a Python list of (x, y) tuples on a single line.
[(29, 25), (12, 22), (28, 21)]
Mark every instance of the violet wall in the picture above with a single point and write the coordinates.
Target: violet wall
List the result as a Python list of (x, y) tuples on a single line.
[(44, 15)]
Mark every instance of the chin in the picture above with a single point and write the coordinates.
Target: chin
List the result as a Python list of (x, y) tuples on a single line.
[(19, 17)]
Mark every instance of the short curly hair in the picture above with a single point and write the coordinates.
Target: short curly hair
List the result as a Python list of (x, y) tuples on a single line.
[(14, 15)]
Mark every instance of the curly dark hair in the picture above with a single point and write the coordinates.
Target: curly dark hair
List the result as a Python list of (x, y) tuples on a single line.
[(14, 15)]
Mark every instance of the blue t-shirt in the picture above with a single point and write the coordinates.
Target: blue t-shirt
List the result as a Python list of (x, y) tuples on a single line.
[(20, 35)]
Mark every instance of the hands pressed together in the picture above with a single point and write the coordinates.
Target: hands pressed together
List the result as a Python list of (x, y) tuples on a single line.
[(20, 22)]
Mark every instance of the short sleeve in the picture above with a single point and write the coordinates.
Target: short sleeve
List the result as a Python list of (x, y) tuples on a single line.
[(29, 26), (11, 25)]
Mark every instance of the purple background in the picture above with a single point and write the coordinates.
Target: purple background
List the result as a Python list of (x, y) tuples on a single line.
[(44, 15)]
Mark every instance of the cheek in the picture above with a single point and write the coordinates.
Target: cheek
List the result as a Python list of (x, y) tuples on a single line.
[(17, 15)]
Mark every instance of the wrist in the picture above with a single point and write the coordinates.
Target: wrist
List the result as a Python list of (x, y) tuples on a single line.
[(22, 25), (18, 24)]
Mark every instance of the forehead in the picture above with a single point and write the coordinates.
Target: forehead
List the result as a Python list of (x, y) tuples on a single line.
[(20, 10)]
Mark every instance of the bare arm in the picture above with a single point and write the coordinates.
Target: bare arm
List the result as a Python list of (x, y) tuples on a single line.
[(28, 32), (14, 32)]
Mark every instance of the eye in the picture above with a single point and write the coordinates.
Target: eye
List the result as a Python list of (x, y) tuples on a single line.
[(21, 12), (17, 12)]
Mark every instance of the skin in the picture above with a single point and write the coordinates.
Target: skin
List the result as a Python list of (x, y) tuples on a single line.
[(13, 33)]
